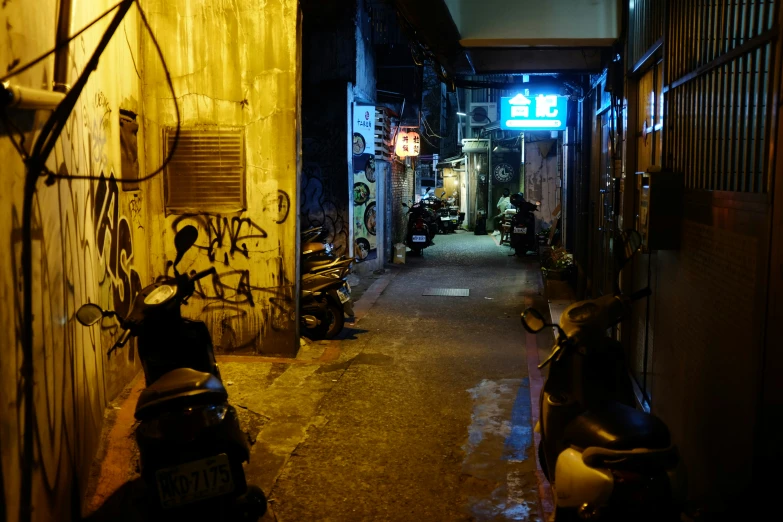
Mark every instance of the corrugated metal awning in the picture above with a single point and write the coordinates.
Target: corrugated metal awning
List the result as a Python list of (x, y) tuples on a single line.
[(450, 162)]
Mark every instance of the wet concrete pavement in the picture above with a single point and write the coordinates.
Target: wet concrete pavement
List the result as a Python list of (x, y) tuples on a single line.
[(421, 411), (428, 417)]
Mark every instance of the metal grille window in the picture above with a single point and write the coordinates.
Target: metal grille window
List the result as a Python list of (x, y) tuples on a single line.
[(646, 27), (719, 57), (207, 172)]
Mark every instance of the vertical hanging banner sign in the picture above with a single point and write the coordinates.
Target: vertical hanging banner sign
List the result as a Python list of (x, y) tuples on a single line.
[(363, 195)]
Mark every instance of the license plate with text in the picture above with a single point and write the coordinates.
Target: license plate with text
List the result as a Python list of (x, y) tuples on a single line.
[(520, 230), (344, 294), (194, 481), (419, 239)]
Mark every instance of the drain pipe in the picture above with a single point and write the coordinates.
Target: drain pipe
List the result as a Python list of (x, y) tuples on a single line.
[(62, 54)]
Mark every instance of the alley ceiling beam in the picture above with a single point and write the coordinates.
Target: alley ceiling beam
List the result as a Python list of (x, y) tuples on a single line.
[(535, 60)]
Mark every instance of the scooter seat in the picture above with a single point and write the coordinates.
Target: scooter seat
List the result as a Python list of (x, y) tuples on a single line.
[(179, 388), (312, 248), (317, 262), (616, 426)]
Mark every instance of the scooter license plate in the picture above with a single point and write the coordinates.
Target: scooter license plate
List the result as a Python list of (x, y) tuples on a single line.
[(520, 230), (193, 481), (445, 219), (344, 294), (419, 239)]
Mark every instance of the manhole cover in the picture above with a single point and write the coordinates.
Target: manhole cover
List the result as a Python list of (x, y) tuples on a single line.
[(448, 292)]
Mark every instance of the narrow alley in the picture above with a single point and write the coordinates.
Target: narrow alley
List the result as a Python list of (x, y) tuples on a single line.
[(421, 411), (390, 260)]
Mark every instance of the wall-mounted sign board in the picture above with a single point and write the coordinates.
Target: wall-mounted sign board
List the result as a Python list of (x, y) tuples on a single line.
[(542, 112)]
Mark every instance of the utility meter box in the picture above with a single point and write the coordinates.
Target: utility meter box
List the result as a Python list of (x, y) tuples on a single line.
[(661, 200)]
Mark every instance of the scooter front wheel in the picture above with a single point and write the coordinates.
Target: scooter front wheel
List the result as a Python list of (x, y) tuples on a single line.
[(542, 460)]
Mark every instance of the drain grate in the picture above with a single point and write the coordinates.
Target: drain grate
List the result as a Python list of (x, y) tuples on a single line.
[(448, 292)]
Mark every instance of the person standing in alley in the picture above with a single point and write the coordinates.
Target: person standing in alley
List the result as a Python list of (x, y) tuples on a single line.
[(504, 203)]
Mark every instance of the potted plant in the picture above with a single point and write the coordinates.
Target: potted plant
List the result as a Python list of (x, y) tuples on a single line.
[(558, 264)]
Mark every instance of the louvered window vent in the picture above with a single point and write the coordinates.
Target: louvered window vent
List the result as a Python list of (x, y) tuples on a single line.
[(207, 172)]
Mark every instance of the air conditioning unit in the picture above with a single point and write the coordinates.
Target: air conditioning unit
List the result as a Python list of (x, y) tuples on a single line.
[(483, 113)]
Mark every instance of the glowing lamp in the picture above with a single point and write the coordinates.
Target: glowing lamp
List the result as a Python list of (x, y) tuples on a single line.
[(408, 144)]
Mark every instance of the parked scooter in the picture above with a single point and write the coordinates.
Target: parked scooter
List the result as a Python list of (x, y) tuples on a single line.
[(420, 228), (523, 226), (440, 210), (325, 297), (190, 442), (605, 459)]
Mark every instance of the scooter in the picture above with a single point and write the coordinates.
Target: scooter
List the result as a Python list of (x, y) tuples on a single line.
[(190, 443), (523, 226), (325, 299), (421, 227), (605, 459)]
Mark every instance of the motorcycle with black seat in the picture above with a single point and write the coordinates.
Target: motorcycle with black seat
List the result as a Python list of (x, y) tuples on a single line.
[(421, 227), (523, 226), (190, 443), (605, 459)]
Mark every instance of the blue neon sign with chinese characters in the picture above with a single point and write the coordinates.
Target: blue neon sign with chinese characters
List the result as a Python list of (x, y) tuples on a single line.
[(541, 112)]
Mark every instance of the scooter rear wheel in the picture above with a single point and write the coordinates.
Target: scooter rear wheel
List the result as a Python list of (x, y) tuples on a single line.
[(251, 506), (332, 321)]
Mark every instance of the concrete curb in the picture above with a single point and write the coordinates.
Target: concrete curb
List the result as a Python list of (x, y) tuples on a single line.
[(370, 296), (537, 380)]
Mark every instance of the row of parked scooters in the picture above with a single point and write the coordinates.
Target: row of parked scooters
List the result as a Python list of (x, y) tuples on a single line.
[(190, 442), (430, 216)]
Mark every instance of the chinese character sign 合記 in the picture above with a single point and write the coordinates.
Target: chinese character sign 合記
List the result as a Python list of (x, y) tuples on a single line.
[(541, 112)]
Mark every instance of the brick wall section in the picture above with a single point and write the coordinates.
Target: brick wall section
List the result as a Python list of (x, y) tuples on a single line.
[(402, 191)]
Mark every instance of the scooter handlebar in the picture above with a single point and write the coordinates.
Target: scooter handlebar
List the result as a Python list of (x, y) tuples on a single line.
[(203, 274), (122, 341), (640, 294)]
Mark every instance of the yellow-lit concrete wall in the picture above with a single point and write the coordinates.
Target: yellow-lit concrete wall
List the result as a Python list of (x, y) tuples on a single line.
[(89, 244), (233, 64), (94, 241)]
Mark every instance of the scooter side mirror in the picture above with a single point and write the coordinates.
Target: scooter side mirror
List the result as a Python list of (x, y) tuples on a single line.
[(533, 321), (185, 238), (90, 313)]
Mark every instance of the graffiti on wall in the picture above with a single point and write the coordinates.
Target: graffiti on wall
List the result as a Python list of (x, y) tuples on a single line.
[(325, 187), (83, 251), (115, 245), (241, 311)]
